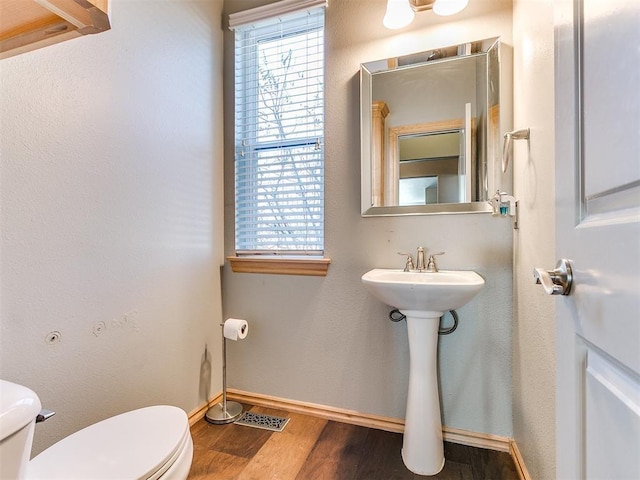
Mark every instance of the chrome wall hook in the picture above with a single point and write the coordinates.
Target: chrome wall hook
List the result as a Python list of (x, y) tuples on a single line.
[(522, 134)]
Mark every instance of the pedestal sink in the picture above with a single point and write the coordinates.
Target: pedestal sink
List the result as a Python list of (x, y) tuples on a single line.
[(423, 297)]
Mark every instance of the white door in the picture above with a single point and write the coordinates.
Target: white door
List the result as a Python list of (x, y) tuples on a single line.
[(598, 229)]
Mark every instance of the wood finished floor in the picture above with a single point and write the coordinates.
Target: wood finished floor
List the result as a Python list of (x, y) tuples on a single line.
[(311, 448)]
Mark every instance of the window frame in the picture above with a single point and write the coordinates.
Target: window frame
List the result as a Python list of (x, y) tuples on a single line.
[(297, 261)]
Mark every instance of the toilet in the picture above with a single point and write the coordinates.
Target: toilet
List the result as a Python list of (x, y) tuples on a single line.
[(149, 443)]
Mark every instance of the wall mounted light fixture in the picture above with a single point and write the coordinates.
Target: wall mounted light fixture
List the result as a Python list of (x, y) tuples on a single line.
[(400, 13)]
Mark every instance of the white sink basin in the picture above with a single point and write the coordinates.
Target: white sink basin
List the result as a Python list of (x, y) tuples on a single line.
[(423, 297), (423, 291)]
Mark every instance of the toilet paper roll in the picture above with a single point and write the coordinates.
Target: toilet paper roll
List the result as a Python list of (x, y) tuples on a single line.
[(235, 328)]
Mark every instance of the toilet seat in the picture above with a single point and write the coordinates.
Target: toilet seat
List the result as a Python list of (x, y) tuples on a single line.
[(137, 445)]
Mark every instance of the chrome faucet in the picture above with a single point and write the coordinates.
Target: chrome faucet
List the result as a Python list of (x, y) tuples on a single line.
[(431, 264), (420, 265), (420, 259)]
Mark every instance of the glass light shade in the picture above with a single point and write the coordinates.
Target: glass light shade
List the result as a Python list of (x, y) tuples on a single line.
[(399, 14), (449, 7)]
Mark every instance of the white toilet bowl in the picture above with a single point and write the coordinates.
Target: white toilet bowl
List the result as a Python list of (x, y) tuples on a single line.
[(149, 443)]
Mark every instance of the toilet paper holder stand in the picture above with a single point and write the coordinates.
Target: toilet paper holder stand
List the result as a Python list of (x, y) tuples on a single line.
[(225, 411)]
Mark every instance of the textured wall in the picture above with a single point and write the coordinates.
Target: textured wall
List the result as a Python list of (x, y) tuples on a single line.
[(112, 215), (325, 340), (534, 312)]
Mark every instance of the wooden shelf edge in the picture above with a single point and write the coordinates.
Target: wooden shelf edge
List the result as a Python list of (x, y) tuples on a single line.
[(280, 266), (68, 19)]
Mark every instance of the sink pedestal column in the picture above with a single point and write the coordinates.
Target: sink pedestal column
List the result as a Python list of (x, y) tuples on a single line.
[(422, 447)]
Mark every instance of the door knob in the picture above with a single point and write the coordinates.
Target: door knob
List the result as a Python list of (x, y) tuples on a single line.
[(555, 282)]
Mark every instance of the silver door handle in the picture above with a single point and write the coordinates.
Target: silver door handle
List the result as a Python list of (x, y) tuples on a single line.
[(555, 282)]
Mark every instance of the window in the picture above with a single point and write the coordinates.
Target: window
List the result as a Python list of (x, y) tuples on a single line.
[(279, 129)]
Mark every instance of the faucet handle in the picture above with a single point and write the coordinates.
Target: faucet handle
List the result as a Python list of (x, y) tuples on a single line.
[(409, 265), (431, 264)]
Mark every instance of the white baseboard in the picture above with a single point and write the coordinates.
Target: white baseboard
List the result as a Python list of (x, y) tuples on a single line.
[(389, 424)]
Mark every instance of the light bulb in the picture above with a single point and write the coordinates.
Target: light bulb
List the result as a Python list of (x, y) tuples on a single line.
[(399, 14), (449, 7)]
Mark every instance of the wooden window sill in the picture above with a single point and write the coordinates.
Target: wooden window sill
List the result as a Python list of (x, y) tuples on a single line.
[(280, 265)]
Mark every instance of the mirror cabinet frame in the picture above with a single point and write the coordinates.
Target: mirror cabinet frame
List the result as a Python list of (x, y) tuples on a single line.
[(378, 142)]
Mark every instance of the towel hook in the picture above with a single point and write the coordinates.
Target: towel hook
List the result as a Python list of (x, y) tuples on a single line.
[(522, 134)]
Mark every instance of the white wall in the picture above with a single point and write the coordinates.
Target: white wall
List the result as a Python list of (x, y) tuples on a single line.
[(112, 215), (534, 355), (324, 339)]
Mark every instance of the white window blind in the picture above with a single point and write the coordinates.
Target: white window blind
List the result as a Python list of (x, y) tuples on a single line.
[(279, 133)]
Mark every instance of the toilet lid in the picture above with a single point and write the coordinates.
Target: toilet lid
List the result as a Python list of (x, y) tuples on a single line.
[(140, 444)]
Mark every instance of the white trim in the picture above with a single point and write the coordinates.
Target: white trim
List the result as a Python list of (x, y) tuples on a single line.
[(272, 10)]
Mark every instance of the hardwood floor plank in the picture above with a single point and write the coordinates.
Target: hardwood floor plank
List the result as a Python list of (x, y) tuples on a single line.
[(381, 459), (284, 454), (312, 448), (457, 453), (485, 464), (209, 464), (231, 439), (488, 465), (336, 454), (453, 471)]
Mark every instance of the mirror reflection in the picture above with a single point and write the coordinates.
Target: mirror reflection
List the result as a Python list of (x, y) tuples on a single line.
[(429, 167), (430, 127)]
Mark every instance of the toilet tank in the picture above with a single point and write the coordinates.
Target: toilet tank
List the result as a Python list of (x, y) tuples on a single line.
[(19, 407)]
